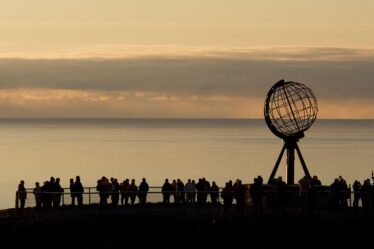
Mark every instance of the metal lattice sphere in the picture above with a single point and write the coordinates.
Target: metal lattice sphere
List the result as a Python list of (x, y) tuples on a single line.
[(290, 109)]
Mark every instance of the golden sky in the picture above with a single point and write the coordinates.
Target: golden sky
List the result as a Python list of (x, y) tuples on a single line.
[(182, 58), (188, 22)]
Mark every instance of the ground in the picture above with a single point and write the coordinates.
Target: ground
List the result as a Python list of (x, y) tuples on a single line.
[(182, 227)]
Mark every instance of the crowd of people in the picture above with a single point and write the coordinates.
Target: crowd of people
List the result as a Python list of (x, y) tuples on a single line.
[(201, 192), (49, 195)]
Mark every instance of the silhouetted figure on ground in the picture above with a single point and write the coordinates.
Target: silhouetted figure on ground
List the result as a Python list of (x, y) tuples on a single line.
[(180, 191), (356, 194), (190, 190), (22, 194), (305, 185), (366, 196), (50, 189), (240, 197), (72, 191), (344, 192), (214, 193), (44, 196), (143, 191), (334, 195), (199, 191), (273, 192), (124, 189), (114, 191), (282, 190), (174, 190), (78, 188), (133, 191), (256, 192), (315, 183), (194, 193), (58, 192), (37, 191), (166, 191), (103, 187), (206, 190), (228, 197)]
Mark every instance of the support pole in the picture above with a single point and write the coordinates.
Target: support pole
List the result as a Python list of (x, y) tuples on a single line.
[(290, 162), (277, 164), (291, 145), (303, 164)]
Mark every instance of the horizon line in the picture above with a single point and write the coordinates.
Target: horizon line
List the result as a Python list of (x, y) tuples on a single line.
[(173, 51), (169, 118)]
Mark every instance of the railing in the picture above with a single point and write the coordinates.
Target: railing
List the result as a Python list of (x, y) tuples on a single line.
[(91, 196), (322, 198)]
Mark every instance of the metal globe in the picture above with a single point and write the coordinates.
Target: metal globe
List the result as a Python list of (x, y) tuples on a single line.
[(290, 109)]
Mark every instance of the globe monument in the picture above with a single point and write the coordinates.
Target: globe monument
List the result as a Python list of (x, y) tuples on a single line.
[(290, 109)]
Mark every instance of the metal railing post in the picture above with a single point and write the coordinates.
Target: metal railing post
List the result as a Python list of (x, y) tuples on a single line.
[(89, 196)]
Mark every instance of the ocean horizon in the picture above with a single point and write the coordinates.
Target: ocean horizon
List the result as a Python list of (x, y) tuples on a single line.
[(34, 149)]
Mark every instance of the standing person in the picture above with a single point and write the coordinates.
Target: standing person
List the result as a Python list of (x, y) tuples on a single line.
[(72, 191), (133, 191), (22, 194), (356, 194), (315, 183), (180, 191), (228, 197), (240, 197), (57, 196), (190, 190), (214, 193), (79, 190), (114, 191), (124, 189), (304, 184), (143, 191), (365, 193), (37, 193), (166, 190), (256, 191), (174, 190), (281, 194)]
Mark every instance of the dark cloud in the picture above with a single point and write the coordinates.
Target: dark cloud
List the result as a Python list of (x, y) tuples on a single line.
[(193, 75)]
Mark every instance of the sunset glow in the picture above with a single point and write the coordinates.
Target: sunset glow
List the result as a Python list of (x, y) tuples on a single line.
[(182, 59)]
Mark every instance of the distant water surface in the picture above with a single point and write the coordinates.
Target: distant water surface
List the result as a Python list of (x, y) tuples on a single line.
[(35, 149)]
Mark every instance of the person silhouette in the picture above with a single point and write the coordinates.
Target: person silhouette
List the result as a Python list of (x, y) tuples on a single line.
[(37, 194), (256, 191), (214, 193), (356, 194), (133, 191), (228, 197), (143, 191), (22, 194), (72, 191), (79, 190), (166, 190)]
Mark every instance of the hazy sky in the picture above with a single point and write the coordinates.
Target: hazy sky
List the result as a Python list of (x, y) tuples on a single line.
[(179, 58)]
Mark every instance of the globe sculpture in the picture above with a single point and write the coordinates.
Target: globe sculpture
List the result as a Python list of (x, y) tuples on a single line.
[(290, 109)]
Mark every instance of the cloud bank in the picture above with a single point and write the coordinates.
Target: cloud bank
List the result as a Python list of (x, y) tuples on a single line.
[(195, 83)]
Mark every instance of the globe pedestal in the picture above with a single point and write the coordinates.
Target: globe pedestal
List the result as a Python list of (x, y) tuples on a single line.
[(290, 144)]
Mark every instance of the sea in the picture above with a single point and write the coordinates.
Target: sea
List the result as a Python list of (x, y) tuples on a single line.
[(34, 149)]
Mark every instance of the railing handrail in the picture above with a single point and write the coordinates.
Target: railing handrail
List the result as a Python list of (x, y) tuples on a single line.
[(348, 194)]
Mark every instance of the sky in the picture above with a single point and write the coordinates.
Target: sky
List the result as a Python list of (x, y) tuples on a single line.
[(182, 59)]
